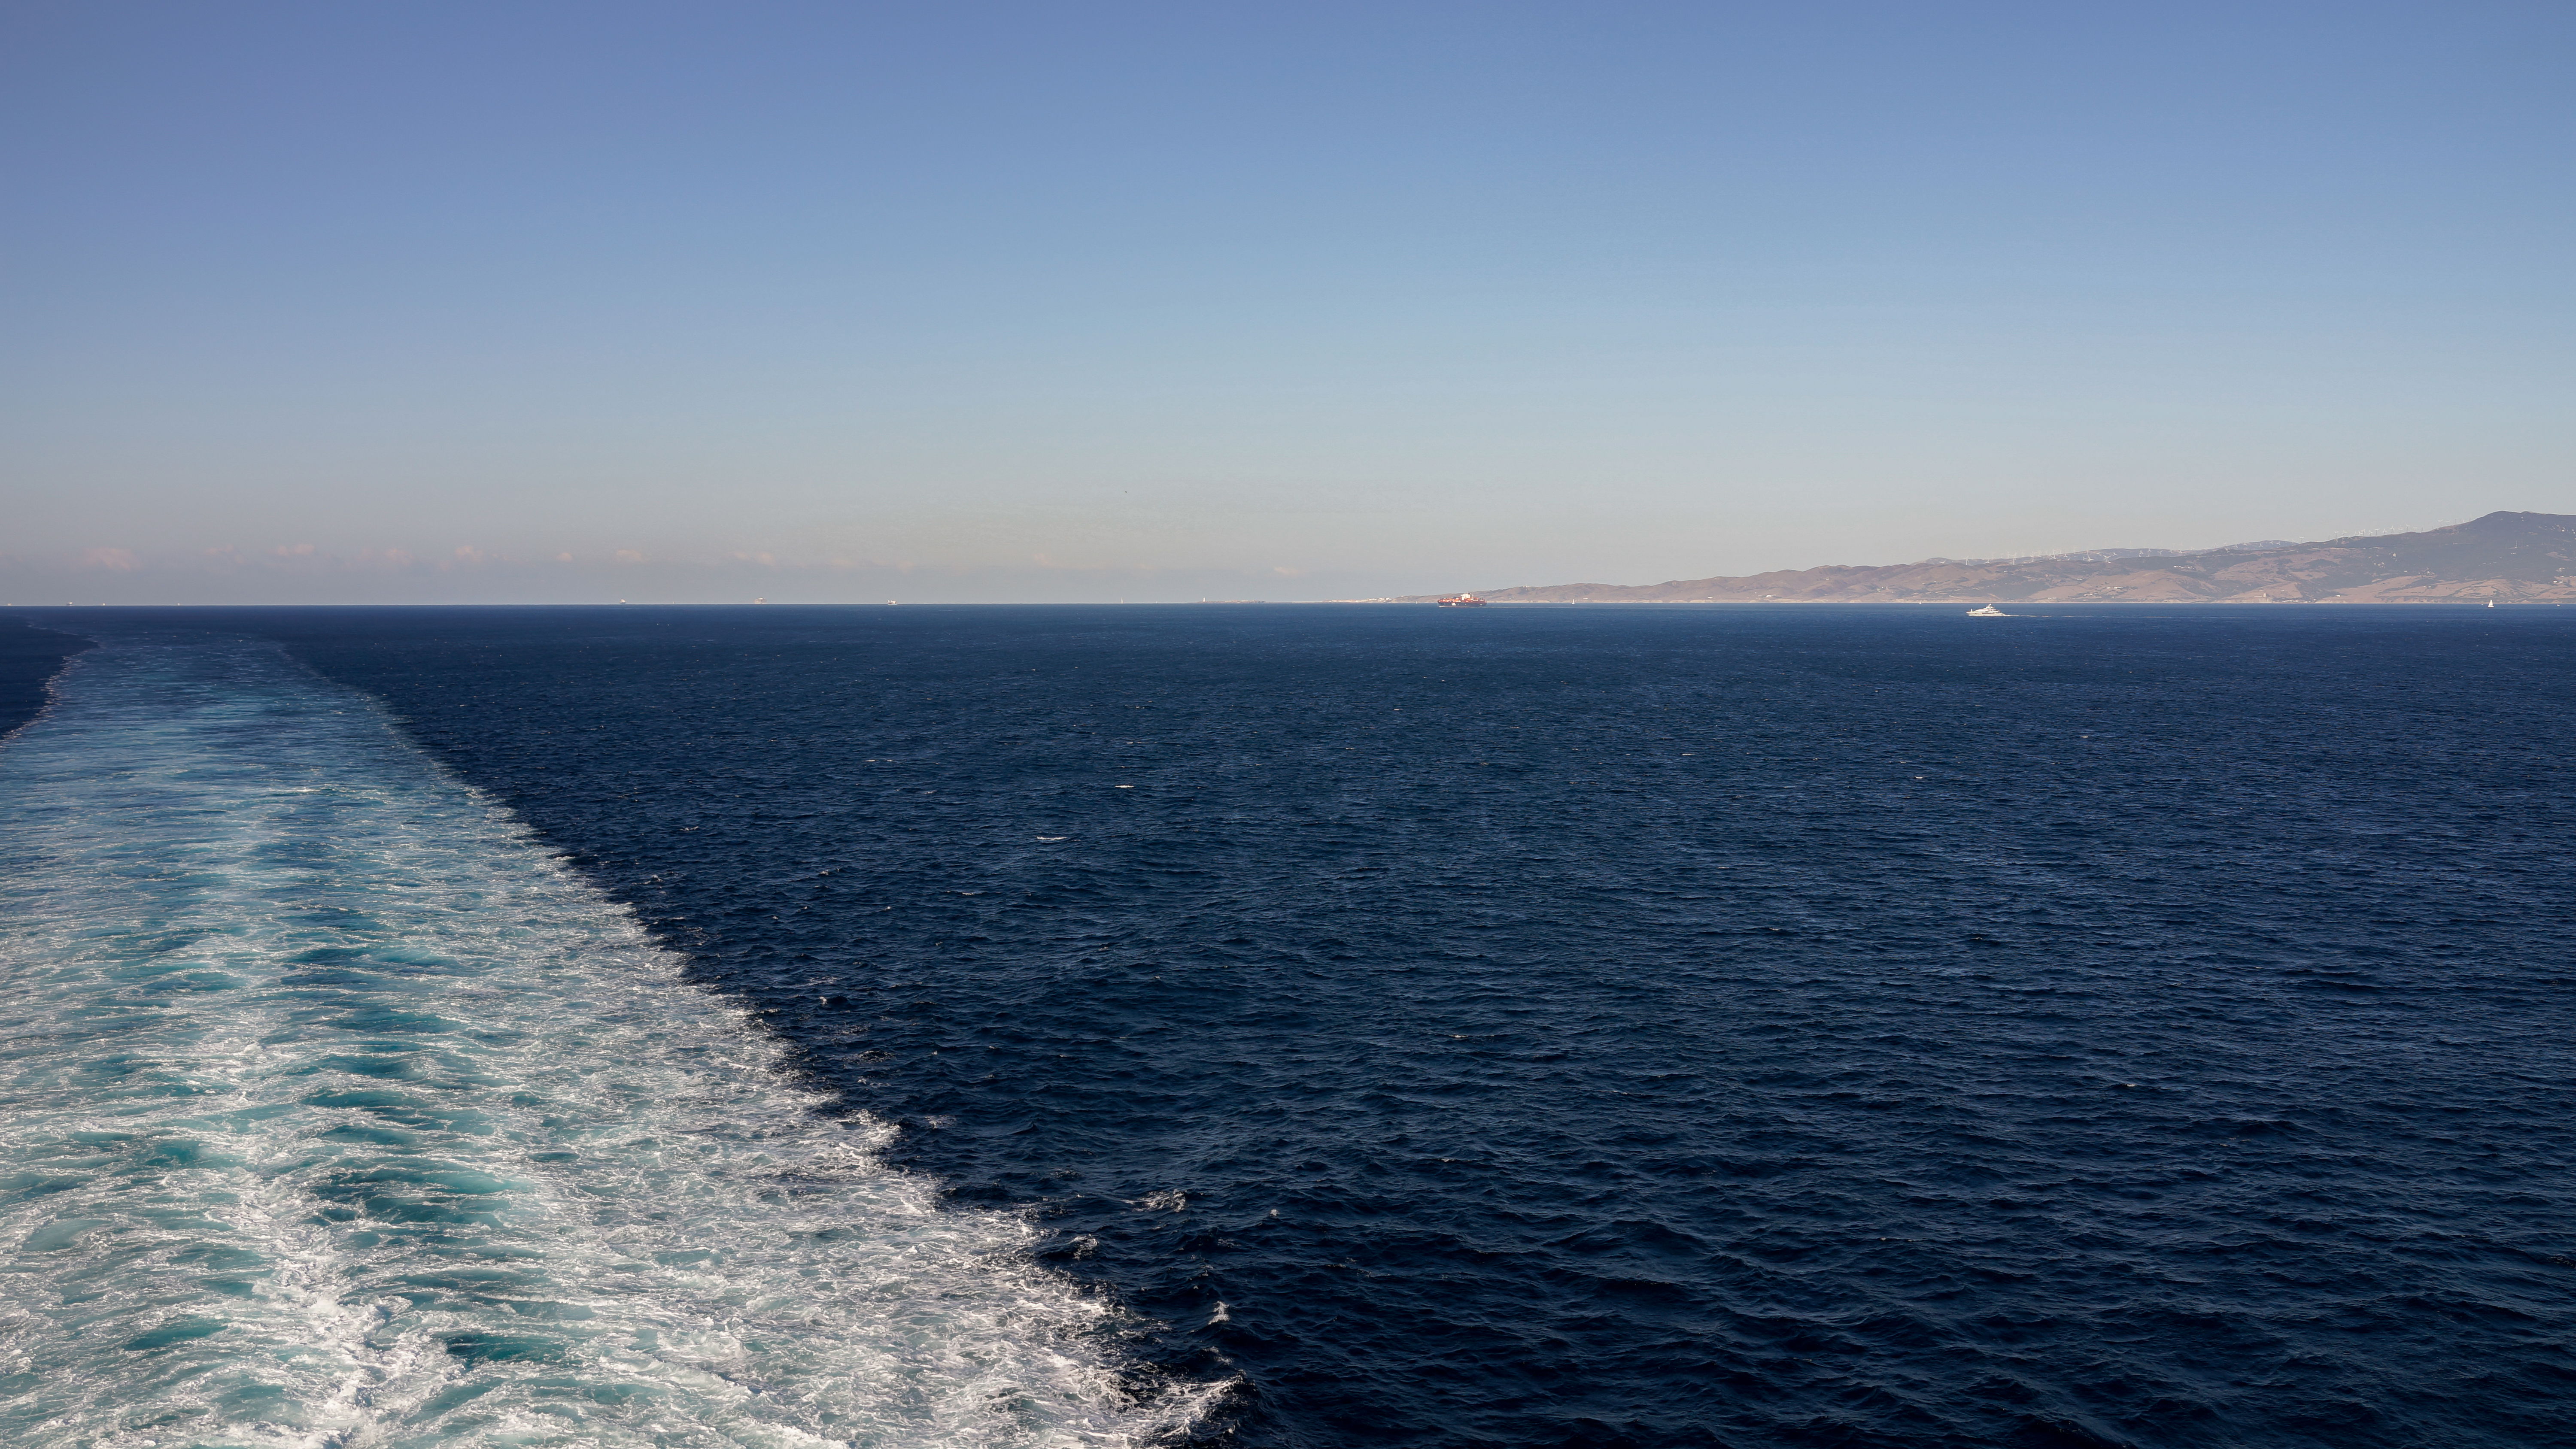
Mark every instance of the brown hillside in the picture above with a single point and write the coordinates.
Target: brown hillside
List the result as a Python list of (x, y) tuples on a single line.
[(2515, 557)]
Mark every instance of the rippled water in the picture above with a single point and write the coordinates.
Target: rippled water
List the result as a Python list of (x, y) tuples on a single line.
[(339, 1113), (1726, 1026)]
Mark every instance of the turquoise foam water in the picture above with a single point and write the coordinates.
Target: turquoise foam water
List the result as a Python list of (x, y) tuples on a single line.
[(339, 1113)]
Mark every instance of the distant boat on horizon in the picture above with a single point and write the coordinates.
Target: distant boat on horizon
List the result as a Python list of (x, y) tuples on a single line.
[(1988, 612), (1460, 601)]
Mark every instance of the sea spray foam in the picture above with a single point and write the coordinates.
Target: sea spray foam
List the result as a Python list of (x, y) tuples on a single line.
[(338, 1113)]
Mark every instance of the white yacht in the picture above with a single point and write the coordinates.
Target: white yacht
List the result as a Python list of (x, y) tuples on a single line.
[(1988, 612)]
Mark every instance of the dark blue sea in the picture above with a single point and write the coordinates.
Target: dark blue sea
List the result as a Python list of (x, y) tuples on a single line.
[(1294, 1026)]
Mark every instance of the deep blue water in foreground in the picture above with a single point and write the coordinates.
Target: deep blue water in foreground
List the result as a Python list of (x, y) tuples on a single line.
[(1737, 1026)]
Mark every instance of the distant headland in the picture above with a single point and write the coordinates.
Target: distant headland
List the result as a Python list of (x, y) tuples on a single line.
[(2503, 557)]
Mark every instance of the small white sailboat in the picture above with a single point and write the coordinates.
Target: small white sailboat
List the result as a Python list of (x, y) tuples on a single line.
[(1988, 612)]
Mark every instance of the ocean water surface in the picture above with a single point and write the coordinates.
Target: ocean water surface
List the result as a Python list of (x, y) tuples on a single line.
[(1295, 1026), (339, 1113)]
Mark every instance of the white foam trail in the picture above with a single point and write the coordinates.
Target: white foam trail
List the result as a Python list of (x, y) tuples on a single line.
[(339, 1114)]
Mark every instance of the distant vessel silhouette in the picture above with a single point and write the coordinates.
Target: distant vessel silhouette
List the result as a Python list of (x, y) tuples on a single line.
[(1988, 612), (1460, 601)]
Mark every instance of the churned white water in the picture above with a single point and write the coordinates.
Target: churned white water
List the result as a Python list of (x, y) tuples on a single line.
[(338, 1113)]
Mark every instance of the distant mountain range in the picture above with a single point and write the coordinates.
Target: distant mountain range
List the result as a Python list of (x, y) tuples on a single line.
[(2511, 557)]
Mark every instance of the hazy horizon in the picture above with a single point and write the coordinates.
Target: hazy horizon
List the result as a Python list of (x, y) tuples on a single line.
[(1017, 303), (290, 577)]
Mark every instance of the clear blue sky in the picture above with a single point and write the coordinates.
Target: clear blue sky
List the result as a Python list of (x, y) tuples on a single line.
[(1070, 301)]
